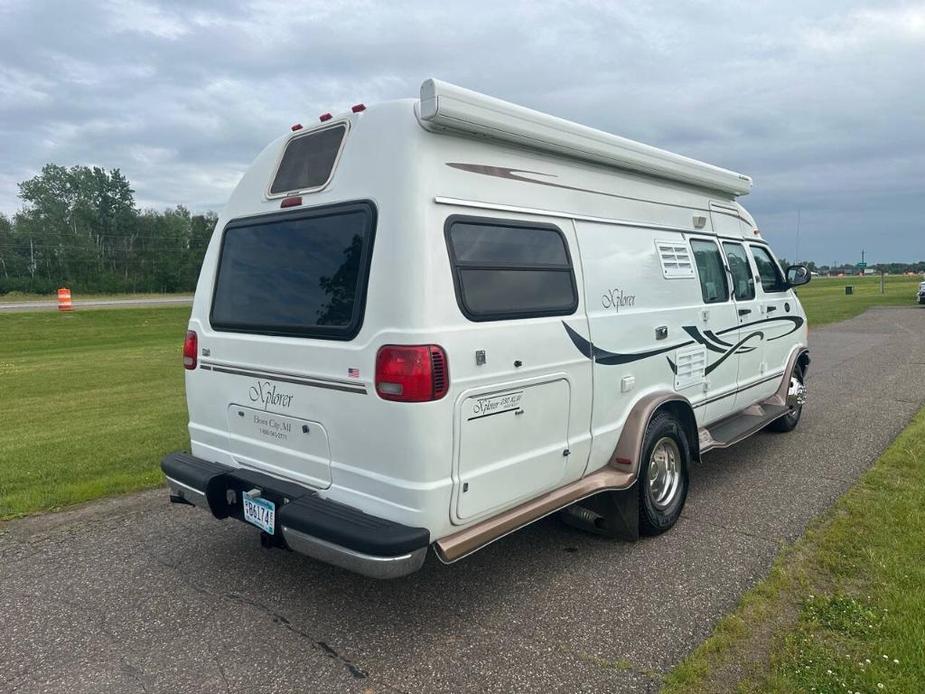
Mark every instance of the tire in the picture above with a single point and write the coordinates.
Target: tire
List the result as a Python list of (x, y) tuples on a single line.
[(790, 420), (663, 488)]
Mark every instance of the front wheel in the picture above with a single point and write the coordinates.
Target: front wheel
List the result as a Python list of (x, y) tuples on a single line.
[(663, 480), (790, 420)]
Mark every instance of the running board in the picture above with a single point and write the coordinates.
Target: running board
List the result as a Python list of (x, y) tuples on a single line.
[(464, 542), (740, 426)]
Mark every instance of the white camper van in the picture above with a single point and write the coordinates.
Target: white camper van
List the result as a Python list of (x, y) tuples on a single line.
[(431, 322)]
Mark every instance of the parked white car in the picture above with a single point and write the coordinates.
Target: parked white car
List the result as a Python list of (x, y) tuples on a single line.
[(920, 295), (430, 322)]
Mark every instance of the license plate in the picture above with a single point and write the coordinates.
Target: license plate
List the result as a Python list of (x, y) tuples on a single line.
[(259, 512)]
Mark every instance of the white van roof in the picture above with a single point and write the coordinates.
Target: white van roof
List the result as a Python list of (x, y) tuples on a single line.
[(445, 106)]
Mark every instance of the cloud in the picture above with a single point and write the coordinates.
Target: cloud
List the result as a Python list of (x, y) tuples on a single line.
[(822, 103)]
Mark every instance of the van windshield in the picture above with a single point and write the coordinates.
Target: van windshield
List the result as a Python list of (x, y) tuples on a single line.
[(301, 274)]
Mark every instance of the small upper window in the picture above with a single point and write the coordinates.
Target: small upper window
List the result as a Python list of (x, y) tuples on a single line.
[(772, 280), (308, 161), (743, 284), (508, 270), (711, 270)]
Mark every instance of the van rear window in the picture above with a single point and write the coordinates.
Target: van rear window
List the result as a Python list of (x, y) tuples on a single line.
[(308, 161), (301, 274)]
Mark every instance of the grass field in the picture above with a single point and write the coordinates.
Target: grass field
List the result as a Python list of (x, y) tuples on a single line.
[(89, 401), (843, 609), (825, 301)]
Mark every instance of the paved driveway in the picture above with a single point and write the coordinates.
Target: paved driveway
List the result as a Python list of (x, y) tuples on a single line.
[(134, 594)]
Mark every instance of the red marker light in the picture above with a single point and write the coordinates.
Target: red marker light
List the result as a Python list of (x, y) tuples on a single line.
[(294, 201), (325, 117), (297, 126), (357, 108)]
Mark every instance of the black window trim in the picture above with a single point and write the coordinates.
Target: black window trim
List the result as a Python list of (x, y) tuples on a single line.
[(456, 265), (722, 256), (339, 333), (345, 124), (748, 260), (781, 278)]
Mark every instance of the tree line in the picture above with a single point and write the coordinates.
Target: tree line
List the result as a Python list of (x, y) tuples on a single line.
[(79, 227)]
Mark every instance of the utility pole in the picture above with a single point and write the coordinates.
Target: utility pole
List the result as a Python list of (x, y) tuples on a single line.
[(797, 253)]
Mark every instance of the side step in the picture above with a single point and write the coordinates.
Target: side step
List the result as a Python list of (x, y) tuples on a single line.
[(740, 426)]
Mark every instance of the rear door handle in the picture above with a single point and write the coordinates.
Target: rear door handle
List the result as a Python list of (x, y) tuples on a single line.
[(744, 311), (771, 308)]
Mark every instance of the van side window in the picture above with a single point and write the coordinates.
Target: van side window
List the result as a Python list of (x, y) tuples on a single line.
[(771, 278), (504, 269), (743, 283), (711, 270)]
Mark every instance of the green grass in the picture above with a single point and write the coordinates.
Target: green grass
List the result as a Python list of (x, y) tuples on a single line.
[(89, 403), (844, 608), (825, 301)]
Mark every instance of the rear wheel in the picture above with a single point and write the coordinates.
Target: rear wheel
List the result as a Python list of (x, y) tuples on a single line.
[(790, 420), (663, 479)]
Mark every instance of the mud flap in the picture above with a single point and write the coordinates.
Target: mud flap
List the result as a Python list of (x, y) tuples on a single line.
[(613, 514)]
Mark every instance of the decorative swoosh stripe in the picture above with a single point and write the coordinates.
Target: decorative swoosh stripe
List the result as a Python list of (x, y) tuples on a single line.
[(708, 339), (732, 351), (602, 356), (695, 333)]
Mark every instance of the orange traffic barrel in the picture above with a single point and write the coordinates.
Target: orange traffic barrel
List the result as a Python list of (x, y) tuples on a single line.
[(64, 300)]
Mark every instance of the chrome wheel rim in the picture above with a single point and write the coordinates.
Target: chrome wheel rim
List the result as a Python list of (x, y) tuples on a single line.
[(664, 475)]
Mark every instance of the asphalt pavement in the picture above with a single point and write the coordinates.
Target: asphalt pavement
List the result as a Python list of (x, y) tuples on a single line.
[(52, 304), (134, 594)]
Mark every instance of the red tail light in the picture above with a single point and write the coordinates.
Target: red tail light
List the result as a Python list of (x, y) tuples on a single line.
[(190, 350), (412, 373)]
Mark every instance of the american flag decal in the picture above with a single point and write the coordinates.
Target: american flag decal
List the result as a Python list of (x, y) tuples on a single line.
[(353, 373)]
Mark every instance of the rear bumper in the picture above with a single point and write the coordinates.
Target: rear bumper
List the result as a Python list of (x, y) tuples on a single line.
[(305, 522)]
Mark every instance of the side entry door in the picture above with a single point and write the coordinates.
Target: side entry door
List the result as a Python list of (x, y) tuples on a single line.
[(748, 340), (715, 327)]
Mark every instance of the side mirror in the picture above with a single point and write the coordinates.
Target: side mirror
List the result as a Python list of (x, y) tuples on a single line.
[(797, 275)]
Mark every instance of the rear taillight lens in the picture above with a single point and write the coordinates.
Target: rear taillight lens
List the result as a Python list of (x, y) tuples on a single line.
[(412, 373), (190, 349)]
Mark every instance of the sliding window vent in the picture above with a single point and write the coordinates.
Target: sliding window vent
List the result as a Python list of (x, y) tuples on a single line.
[(675, 259)]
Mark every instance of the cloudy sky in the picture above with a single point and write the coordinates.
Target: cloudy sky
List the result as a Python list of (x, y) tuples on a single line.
[(823, 103)]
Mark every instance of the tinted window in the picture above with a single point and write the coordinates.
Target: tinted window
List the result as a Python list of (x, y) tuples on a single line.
[(743, 284), (711, 271), (771, 278), (295, 275), (308, 160), (505, 270)]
